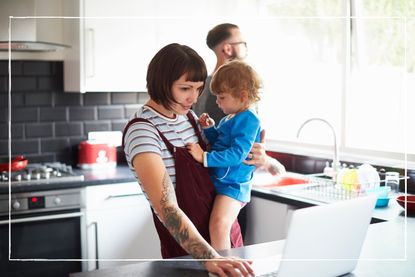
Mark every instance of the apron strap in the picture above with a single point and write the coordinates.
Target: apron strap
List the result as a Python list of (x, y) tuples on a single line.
[(169, 145), (197, 130)]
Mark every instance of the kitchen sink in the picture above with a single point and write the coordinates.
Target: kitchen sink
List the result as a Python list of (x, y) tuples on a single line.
[(316, 187), (283, 182), (288, 181), (320, 176)]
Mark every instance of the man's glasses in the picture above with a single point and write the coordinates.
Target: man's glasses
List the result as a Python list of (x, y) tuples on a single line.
[(239, 42)]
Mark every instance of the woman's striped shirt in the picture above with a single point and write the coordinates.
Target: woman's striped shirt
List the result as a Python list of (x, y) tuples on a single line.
[(141, 137)]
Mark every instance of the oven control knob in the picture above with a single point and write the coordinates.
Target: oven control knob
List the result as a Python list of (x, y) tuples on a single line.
[(36, 175), (27, 176), (57, 200), (17, 178), (16, 205)]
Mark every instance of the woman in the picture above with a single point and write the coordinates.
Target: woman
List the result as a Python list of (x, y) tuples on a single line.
[(178, 188)]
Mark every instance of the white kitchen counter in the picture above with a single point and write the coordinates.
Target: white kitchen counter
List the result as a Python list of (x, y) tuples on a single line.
[(388, 250)]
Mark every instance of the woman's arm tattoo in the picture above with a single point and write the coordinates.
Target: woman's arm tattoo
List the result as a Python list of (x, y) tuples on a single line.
[(173, 222)]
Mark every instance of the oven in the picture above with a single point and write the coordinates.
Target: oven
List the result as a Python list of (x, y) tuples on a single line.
[(45, 232)]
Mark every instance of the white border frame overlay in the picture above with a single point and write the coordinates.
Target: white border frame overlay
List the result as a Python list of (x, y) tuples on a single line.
[(140, 260)]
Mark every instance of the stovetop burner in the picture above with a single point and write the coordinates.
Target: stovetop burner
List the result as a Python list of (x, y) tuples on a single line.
[(42, 173)]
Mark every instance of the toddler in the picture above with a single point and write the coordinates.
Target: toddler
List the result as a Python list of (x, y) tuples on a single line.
[(236, 87)]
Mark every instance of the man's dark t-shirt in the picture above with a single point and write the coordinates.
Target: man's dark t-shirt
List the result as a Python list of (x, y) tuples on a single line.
[(207, 103)]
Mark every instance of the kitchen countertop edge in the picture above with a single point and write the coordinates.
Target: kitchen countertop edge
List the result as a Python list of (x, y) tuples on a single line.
[(120, 174)]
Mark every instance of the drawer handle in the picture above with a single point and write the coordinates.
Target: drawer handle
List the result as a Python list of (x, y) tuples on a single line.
[(123, 195)]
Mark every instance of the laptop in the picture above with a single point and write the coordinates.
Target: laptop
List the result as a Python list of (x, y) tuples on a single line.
[(321, 241)]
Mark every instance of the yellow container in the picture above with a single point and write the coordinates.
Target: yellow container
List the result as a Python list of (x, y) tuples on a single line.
[(350, 180)]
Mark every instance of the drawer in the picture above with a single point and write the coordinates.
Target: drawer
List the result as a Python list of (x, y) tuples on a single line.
[(113, 196)]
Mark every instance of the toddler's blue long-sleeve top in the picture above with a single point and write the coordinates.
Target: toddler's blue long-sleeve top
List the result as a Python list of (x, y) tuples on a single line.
[(230, 143)]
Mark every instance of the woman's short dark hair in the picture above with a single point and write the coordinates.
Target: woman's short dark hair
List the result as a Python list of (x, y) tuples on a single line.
[(219, 34), (167, 66)]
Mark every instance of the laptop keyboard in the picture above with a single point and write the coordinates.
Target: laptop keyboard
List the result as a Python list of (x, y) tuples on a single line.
[(270, 274), (268, 266)]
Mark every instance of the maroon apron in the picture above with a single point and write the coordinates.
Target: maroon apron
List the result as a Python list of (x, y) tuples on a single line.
[(194, 192)]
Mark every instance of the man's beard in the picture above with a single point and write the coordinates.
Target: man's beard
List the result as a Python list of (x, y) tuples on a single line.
[(235, 56)]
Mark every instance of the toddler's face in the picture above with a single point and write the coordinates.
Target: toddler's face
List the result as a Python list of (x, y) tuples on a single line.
[(230, 104)]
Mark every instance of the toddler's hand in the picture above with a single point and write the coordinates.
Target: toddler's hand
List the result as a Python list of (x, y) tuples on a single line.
[(196, 151), (205, 121)]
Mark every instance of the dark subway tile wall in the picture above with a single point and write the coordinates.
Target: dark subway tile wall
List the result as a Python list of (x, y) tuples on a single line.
[(118, 124), (17, 131), (47, 123), (39, 130), (68, 129), (23, 83), (93, 126), (68, 99), (38, 99), (93, 99), (111, 112), (131, 109), (124, 98), (82, 113), (22, 114)]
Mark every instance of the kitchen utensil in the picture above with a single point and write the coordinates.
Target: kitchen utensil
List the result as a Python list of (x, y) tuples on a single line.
[(381, 192), (392, 180), (368, 177), (382, 195), (382, 202), (350, 180), (17, 163), (410, 203)]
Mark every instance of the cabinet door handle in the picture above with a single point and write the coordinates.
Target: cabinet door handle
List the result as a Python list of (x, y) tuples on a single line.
[(90, 53), (96, 244), (123, 195)]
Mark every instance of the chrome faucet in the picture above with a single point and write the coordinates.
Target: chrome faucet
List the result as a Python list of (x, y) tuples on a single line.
[(335, 158)]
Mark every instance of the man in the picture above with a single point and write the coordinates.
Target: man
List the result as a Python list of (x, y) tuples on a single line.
[(226, 41)]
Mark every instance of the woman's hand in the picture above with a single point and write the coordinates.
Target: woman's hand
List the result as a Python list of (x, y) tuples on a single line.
[(257, 155), (206, 121), (260, 159), (196, 151), (229, 266)]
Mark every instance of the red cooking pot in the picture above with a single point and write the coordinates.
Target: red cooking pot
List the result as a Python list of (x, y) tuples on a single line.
[(17, 163)]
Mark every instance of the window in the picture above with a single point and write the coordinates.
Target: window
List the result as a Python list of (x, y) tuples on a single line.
[(355, 71)]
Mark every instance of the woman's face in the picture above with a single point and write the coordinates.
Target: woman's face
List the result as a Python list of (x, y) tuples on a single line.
[(185, 93)]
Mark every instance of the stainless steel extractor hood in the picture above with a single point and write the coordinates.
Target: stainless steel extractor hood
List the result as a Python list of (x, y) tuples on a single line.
[(29, 31), (31, 46)]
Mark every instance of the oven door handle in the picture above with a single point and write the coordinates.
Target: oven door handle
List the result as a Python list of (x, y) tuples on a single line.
[(41, 218)]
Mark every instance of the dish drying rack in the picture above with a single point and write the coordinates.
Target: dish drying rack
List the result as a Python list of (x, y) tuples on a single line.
[(328, 191)]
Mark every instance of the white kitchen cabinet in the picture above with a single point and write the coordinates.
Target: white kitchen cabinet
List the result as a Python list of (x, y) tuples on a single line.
[(119, 225), (114, 41), (267, 220), (112, 46)]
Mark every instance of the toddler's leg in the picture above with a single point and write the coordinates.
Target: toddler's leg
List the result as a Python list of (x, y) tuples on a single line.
[(225, 211)]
